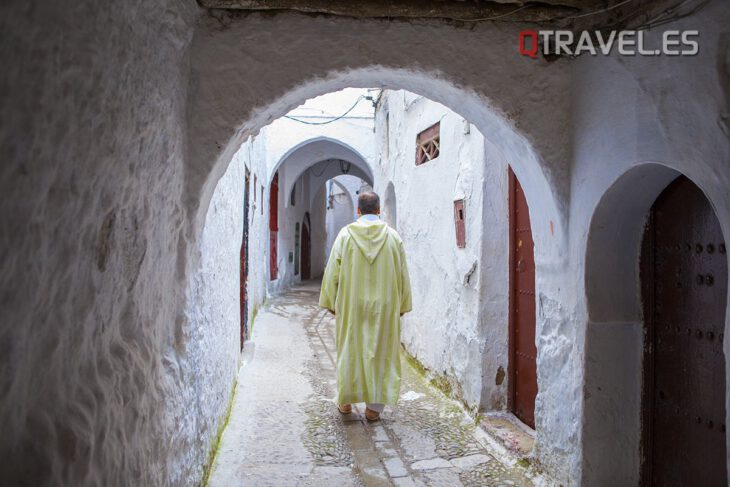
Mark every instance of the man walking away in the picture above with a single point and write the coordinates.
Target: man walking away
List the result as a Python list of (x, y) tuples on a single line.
[(366, 286)]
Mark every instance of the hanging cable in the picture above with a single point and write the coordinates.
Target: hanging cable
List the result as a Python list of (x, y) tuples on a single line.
[(496, 16), (329, 161), (596, 12), (328, 121)]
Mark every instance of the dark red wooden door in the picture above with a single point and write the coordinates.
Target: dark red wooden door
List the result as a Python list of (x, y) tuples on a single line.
[(273, 226), (244, 265), (306, 252), (684, 290), (523, 352)]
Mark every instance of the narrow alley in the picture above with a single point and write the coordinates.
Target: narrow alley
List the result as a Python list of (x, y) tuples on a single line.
[(292, 434), (517, 210)]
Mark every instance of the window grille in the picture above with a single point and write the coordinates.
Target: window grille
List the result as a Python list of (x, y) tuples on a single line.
[(428, 144)]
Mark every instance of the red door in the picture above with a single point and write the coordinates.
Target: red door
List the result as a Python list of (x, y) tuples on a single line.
[(523, 352), (684, 290), (306, 249), (273, 226)]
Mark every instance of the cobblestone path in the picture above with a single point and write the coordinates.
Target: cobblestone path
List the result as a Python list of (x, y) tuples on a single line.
[(285, 428)]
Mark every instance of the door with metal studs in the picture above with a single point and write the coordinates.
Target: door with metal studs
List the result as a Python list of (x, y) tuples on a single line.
[(684, 290), (522, 348)]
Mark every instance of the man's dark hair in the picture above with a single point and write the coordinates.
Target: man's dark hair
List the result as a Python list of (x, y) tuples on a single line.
[(368, 203)]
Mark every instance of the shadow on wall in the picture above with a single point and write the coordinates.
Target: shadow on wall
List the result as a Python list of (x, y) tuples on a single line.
[(390, 207)]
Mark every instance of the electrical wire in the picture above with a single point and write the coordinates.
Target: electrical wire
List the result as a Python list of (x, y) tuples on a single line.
[(567, 17), (328, 121), (329, 161), (596, 12), (496, 17), (661, 18)]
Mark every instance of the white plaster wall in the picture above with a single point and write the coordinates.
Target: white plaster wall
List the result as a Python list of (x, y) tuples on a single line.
[(319, 233), (445, 330), (339, 213), (289, 217), (213, 305), (251, 156)]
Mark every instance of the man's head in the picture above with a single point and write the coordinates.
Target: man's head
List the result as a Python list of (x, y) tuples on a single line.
[(368, 203)]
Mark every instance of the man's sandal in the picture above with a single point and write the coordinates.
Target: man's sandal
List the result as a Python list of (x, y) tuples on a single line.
[(345, 408), (371, 415)]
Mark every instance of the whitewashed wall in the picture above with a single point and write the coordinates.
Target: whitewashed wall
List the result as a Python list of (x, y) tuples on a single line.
[(458, 327)]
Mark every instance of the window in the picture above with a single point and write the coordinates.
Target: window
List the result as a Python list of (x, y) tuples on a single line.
[(293, 200), (427, 144), (460, 224), (262, 200)]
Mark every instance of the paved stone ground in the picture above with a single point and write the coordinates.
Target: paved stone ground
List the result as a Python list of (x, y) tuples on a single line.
[(285, 428)]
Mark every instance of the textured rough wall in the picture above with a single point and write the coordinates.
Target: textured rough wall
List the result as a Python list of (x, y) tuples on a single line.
[(251, 157), (213, 304), (97, 379)]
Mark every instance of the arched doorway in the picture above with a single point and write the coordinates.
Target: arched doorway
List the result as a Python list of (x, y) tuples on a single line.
[(615, 446), (684, 288), (548, 233), (306, 248)]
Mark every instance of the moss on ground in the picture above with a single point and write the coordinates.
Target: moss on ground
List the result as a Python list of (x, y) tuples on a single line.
[(439, 381), (213, 454)]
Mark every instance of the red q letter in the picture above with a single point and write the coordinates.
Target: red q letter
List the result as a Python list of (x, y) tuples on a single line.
[(532, 51)]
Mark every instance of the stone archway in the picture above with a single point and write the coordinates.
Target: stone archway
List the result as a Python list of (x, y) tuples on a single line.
[(240, 89), (325, 156), (307, 166), (534, 172)]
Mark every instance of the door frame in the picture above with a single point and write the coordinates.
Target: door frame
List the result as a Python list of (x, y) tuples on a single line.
[(306, 224), (647, 286), (244, 262), (511, 346), (513, 300)]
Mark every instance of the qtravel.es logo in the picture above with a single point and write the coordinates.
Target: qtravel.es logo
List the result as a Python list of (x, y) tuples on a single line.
[(625, 42)]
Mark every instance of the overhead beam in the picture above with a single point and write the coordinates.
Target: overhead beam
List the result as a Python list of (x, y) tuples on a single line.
[(475, 10)]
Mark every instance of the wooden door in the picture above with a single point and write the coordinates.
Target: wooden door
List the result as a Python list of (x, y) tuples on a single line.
[(523, 352), (244, 264), (273, 226), (684, 290), (306, 249)]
